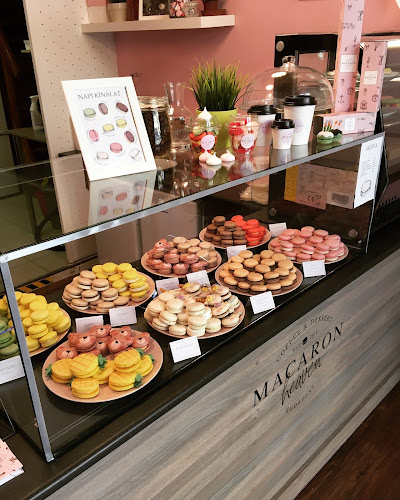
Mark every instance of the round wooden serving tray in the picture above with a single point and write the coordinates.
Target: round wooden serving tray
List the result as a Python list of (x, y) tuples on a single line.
[(240, 310), (106, 394), (237, 291), (267, 237), (342, 257), (60, 337), (172, 275), (150, 292)]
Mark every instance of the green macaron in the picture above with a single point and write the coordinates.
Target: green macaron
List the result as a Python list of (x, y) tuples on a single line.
[(5, 339), (3, 325), (9, 351)]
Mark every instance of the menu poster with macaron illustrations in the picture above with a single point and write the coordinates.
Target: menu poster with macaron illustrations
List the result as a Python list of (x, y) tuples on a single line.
[(109, 126)]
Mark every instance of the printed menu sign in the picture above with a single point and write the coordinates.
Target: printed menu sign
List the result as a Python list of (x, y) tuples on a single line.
[(120, 316), (185, 349), (368, 170)]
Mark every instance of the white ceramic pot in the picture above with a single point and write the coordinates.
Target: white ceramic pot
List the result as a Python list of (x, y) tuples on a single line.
[(118, 11)]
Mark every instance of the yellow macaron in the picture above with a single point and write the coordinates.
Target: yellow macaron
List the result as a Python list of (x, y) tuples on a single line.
[(114, 277), (37, 331), (39, 316), (53, 306), (62, 324), (130, 276), (33, 344), (109, 268), (103, 374), (120, 286), (124, 267), (85, 388), (84, 365), (97, 269), (27, 298), (101, 276), (61, 371), (122, 381), (49, 339)]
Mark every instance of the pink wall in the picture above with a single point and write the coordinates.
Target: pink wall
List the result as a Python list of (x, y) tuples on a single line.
[(166, 55)]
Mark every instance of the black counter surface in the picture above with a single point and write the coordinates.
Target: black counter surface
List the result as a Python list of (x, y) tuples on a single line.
[(40, 478)]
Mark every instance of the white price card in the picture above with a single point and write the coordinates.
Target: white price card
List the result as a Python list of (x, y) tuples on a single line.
[(121, 316), (11, 369), (314, 268), (232, 251), (201, 277), (276, 229), (185, 349), (167, 284), (262, 302), (85, 324), (368, 170)]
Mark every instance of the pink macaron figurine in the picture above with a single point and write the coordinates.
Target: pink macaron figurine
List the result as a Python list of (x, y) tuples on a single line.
[(165, 268), (180, 269)]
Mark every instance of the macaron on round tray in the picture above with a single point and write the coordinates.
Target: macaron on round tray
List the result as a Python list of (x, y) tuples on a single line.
[(308, 243), (106, 287), (176, 258), (72, 378), (249, 274), (195, 311), (60, 336), (224, 233)]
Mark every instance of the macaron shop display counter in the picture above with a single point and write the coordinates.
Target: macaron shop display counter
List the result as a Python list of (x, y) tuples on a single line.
[(301, 195)]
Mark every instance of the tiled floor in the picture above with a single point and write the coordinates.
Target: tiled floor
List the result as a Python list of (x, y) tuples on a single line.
[(17, 232)]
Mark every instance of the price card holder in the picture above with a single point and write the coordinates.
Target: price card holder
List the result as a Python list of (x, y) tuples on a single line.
[(276, 229), (167, 284), (232, 251), (314, 268), (11, 369), (200, 277), (121, 316), (85, 324), (262, 302), (185, 349)]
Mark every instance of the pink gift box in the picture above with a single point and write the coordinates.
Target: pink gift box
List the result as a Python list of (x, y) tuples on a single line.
[(372, 73), (350, 122), (348, 48)]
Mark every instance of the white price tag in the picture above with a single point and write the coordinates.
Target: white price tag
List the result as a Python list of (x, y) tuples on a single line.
[(121, 316), (276, 229), (201, 277), (314, 268), (167, 284), (232, 251), (262, 302), (185, 349), (85, 324), (11, 369)]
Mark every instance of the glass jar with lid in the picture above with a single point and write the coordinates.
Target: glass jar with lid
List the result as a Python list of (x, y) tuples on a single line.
[(156, 120)]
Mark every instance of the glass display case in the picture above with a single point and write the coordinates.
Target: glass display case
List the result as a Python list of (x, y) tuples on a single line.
[(304, 186)]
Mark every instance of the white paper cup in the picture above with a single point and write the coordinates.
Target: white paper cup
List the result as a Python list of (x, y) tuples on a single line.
[(265, 135), (282, 138), (300, 109)]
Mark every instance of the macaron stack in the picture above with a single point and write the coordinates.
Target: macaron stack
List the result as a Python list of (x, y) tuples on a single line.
[(309, 244), (233, 232), (87, 372), (43, 322), (194, 310), (105, 287), (252, 274), (181, 256)]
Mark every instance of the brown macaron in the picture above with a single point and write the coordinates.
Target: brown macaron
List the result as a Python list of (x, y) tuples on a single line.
[(225, 273), (244, 286), (231, 281), (240, 242), (104, 307), (211, 228), (239, 234), (90, 295), (100, 284), (212, 262), (236, 258), (268, 262), (258, 288), (241, 273), (74, 291), (283, 273), (84, 283), (88, 275), (261, 268), (286, 283), (226, 243), (109, 295), (80, 304), (233, 266), (216, 239), (121, 301), (266, 254), (208, 236), (246, 254), (285, 264), (250, 264), (278, 257), (253, 278), (274, 287), (271, 277), (230, 225), (219, 220)]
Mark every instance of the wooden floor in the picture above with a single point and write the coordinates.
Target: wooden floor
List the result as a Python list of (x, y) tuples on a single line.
[(367, 466)]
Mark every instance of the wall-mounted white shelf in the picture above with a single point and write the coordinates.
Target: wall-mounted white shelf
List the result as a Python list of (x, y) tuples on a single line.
[(188, 23)]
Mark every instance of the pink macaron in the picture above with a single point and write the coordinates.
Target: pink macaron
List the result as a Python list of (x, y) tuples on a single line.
[(190, 258), (331, 256), (165, 268), (315, 240), (290, 255), (198, 266), (275, 243), (333, 237), (116, 148), (303, 257), (305, 234), (322, 248), (286, 246), (318, 256), (332, 244), (297, 232), (321, 233), (308, 228), (154, 263), (297, 241), (307, 249), (290, 232), (180, 269), (171, 258), (284, 237)]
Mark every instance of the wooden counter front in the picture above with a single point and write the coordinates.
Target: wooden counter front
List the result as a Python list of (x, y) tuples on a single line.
[(264, 427)]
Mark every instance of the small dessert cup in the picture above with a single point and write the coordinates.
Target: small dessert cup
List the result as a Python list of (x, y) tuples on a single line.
[(203, 136), (243, 132)]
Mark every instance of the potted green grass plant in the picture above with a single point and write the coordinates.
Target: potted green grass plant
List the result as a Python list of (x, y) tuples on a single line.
[(218, 88)]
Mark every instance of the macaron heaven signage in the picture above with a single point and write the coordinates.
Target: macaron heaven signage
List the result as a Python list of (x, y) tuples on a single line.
[(298, 362)]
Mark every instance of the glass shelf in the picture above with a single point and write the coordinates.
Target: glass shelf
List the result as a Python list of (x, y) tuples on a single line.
[(176, 181)]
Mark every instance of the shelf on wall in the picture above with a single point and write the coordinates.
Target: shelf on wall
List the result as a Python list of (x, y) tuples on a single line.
[(188, 23)]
